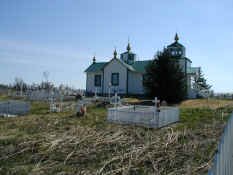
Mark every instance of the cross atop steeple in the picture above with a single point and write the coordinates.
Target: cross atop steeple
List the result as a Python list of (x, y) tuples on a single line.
[(128, 48), (94, 60), (115, 53), (176, 37)]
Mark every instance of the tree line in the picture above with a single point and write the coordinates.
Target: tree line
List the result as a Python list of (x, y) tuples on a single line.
[(20, 85)]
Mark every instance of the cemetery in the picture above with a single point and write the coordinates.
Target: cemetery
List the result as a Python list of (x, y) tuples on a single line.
[(144, 115), (108, 130), (13, 108), (116, 88), (148, 116)]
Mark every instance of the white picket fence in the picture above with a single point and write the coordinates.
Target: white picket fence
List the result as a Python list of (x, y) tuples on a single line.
[(14, 108), (223, 160), (143, 115)]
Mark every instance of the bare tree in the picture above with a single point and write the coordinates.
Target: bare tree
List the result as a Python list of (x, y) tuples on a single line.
[(20, 85)]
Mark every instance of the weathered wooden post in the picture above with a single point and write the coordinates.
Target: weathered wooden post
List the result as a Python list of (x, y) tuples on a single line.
[(115, 101), (109, 90), (115, 105), (95, 93), (157, 110), (21, 89), (156, 100), (61, 101), (8, 108)]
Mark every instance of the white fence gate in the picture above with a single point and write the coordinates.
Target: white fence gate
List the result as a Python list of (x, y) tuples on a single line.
[(14, 108), (223, 160)]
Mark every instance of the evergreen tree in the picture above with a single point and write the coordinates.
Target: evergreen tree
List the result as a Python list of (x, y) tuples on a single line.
[(201, 83), (164, 78), (201, 86)]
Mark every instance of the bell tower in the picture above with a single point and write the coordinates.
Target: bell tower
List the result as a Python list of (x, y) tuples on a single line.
[(176, 49), (128, 57)]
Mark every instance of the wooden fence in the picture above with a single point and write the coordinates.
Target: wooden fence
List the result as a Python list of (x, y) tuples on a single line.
[(143, 115), (223, 159), (14, 108)]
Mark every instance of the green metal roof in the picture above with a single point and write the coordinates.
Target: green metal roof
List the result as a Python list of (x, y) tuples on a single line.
[(175, 44), (140, 66), (95, 67), (188, 59), (137, 66), (126, 65), (128, 52), (194, 70)]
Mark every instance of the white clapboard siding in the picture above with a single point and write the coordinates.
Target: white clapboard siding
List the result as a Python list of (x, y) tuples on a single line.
[(115, 66)]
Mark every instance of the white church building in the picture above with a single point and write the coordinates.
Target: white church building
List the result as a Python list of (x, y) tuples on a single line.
[(124, 75)]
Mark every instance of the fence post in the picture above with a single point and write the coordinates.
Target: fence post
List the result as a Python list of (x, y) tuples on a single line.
[(8, 108)]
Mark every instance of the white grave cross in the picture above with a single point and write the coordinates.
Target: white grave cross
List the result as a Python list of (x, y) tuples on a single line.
[(95, 93), (115, 100), (156, 101)]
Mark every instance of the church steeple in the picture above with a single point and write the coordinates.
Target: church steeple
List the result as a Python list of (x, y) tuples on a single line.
[(176, 49), (94, 60), (128, 57), (115, 53), (128, 48), (176, 38)]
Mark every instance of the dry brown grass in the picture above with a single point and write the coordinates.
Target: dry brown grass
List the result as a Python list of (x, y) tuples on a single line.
[(43, 143), (206, 103), (131, 100)]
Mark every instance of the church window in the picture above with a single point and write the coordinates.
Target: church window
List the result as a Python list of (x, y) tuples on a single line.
[(115, 79), (97, 80)]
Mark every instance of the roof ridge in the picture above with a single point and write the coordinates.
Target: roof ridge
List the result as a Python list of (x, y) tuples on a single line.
[(102, 62), (142, 60), (138, 66)]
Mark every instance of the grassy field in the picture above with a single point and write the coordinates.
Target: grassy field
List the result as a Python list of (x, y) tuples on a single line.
[(61, 143)]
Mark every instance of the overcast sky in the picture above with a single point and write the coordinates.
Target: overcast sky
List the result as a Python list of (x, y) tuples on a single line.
[(61, 36)]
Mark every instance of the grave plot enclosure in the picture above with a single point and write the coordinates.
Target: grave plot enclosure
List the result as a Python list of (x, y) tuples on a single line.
[(14, 108), (143, 115)]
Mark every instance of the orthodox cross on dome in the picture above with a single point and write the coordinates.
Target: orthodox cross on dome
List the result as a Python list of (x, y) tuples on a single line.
[(94, 59), (128, 48), (176, 37)]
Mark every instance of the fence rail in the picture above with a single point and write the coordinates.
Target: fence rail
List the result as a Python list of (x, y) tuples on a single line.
[(143, 115), (223, 159), (14, 108)]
